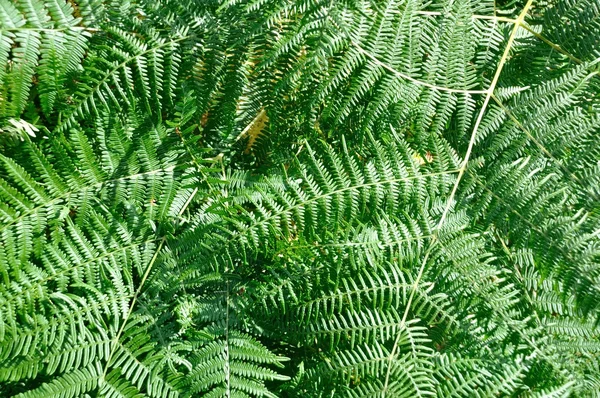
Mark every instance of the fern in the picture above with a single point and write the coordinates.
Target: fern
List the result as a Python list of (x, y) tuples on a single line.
[(366, 198)]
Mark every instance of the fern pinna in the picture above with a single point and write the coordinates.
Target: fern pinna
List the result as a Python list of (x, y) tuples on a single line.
[(274, 198)]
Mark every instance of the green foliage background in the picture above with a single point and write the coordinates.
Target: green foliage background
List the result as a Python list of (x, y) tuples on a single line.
[(309, 198)]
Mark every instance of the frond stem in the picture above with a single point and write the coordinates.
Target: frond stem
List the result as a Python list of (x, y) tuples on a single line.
[(403, 321), (84, 188), (35, 284), (474, 16), (83, 28), (139, 290), (354, 244), (133, 301), (461, 172), (376, 61), (522, 23), (554, 46), (490, 92), (354, 187)]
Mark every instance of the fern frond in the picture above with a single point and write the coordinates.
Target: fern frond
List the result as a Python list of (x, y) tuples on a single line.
[(45, 40)]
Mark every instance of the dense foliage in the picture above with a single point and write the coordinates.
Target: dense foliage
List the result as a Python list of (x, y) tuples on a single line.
[(308, 198)]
